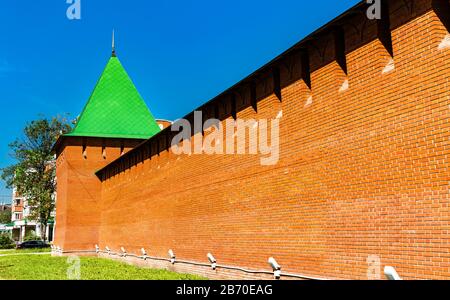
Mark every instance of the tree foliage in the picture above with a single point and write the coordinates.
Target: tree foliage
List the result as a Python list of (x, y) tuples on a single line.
[(6, 242), (5, 217), (33, 175)]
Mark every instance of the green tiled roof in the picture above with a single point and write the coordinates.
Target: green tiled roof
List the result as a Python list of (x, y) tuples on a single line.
[(115, 108)]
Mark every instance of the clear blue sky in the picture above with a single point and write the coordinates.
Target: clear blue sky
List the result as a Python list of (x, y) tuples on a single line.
[(178, 53)]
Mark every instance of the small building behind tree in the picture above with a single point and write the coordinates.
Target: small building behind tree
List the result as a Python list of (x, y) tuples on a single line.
[(21, 226)]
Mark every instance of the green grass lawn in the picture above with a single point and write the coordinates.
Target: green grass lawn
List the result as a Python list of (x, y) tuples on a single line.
[(46, 267)]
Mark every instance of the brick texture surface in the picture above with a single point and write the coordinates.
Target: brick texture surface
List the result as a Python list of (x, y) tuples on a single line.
[(79, 190), (363, 172)]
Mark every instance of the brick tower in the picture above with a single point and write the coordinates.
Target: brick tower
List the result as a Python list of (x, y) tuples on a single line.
[(114, 120)]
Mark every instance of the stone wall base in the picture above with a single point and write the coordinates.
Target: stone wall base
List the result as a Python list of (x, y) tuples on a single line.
[(184, 267)]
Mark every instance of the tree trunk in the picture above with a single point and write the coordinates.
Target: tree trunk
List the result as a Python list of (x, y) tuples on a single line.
[(44, 230)]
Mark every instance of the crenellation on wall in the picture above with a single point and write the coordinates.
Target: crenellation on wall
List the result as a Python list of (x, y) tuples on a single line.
[(321, 51), (340, 191)]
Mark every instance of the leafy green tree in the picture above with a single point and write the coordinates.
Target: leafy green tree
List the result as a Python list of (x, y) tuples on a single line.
[(34, 173), (5, 217), (6, 242)]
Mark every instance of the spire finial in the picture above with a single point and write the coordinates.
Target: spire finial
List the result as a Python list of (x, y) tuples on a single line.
[(113, 45)]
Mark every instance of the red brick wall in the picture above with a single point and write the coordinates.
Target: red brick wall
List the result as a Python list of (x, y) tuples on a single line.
[(79, 190), (362, 172)]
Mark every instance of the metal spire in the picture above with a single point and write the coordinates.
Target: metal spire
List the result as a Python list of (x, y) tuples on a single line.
[(113, 45)]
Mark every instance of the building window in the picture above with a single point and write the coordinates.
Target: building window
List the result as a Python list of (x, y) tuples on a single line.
[(17, 216), (17, 201)]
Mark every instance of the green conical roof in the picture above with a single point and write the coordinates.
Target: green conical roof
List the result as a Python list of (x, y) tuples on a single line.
[(115, 108)]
